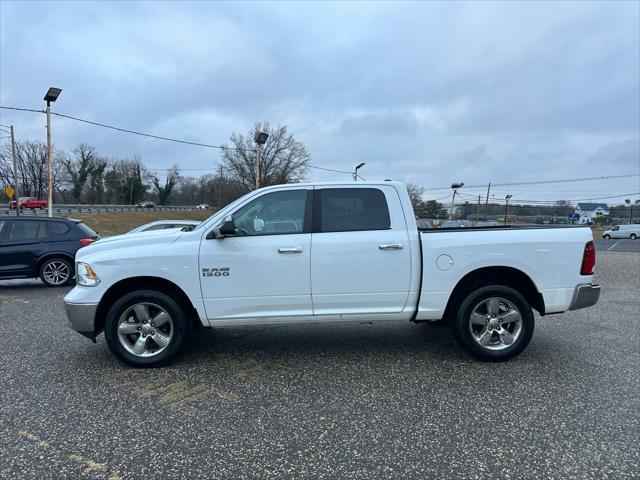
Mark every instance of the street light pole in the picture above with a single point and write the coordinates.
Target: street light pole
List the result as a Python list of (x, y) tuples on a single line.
[(51, 96), (355, 172), (260, 138), (506, 207), (50, 199), (455, 187)]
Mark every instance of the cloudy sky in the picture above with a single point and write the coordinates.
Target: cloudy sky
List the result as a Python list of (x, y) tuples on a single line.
[(424, 92)]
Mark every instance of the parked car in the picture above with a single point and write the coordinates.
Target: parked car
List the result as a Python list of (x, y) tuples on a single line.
[(28, 202), (623, 231), (165, 225), (146, 204), (42, 247), (203, 206), (423, 223), (456, 224), (351, 252)]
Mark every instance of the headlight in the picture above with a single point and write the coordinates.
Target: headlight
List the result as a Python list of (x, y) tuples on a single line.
[(85, 275)]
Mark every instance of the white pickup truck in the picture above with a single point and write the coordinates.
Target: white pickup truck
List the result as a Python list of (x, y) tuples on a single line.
[(327, 252)]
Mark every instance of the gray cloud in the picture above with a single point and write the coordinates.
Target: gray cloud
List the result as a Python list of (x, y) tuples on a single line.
[(427, 92)]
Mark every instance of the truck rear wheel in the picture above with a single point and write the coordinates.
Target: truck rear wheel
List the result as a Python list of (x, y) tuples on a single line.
[(493, 323), (146, 328)]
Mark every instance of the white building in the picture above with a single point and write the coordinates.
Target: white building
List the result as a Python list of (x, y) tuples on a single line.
[(589, 212)]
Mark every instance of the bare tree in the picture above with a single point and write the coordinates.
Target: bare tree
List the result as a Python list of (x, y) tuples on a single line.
[(173, 174), (31, 162), (79, 168), (415, 195), (283, 159)]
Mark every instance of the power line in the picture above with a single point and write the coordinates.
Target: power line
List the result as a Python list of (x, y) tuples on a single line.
[(22, 109), (539, 182), (158, 137)]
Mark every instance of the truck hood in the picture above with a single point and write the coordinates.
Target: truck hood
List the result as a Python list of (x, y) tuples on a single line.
[(128, 241)]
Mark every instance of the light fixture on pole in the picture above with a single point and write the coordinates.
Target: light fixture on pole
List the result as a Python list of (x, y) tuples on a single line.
[(506, 207), (51, 96), (454, 187), (260, 138), (355, 172), (15, 170)]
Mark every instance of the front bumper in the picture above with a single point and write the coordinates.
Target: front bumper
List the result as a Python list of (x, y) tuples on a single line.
[(585, 295), (82, 318)]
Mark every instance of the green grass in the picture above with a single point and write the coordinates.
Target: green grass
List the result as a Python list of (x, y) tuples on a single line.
[(116, 223)]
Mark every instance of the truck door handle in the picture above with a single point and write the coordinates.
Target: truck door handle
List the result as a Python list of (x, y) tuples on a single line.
[(290, 250), (390, 246)]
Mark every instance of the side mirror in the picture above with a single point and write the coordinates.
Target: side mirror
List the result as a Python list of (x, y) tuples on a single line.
[(228, 228)]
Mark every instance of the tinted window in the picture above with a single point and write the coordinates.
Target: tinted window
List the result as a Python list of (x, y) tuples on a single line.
[(86, 229), (58, 229), (30, 230), (277, 212), (2, 224), (349, 209)]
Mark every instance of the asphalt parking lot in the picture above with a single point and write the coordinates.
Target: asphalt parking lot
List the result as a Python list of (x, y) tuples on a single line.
[(620, 245), (325, 401)]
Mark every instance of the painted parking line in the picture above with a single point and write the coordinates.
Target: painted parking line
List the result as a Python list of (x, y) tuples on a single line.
[(614, 245)]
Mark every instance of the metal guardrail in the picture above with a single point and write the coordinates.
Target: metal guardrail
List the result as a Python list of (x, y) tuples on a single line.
[(62, 209)]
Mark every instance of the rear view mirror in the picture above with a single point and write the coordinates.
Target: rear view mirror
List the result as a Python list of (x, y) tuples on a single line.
[(258, 225)]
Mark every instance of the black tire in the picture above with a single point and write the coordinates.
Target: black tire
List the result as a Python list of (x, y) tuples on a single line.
[(180, 327), (606, 237), (56, 263), (462, 329), (633, 236)]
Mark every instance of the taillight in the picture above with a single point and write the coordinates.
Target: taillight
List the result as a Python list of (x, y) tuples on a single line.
[(588, 259), (86, 241)]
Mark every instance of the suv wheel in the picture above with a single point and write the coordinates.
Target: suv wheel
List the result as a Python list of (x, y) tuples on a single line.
[(606, 236), (56, 272), (493, 323), (145, 328), (633, 236)]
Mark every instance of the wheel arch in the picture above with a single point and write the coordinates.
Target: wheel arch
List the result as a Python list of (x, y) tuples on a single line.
[(50, 255), (139, 283), (507, 276)]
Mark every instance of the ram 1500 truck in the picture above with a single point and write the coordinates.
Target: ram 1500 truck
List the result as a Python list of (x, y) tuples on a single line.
[(324, 252)]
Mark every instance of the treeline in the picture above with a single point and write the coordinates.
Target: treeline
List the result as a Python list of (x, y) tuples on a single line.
[(85, 176)]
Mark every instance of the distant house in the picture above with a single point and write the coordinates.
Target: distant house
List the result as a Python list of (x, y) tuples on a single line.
[(589, 212)]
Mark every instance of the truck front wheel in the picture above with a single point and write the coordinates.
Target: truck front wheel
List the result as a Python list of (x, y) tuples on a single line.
[(493, 323), (145, 328)]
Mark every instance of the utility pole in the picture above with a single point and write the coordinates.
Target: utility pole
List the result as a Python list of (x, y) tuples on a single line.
[(486, 203), (220, 189), (15, 170), (478, 216)]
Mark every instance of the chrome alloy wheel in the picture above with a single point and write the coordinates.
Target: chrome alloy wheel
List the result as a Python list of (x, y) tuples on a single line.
[(495, 323), (145, 329), (56, 272)]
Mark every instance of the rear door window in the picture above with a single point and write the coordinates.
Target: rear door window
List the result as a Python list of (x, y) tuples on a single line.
[(27, 231), (351, 209), (2, 225)]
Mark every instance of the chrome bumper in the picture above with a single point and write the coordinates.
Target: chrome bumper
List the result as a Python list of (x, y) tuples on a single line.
[(82, 318), (585, 295)]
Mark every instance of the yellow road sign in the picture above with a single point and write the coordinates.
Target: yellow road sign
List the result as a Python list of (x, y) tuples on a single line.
[(9, 191)]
